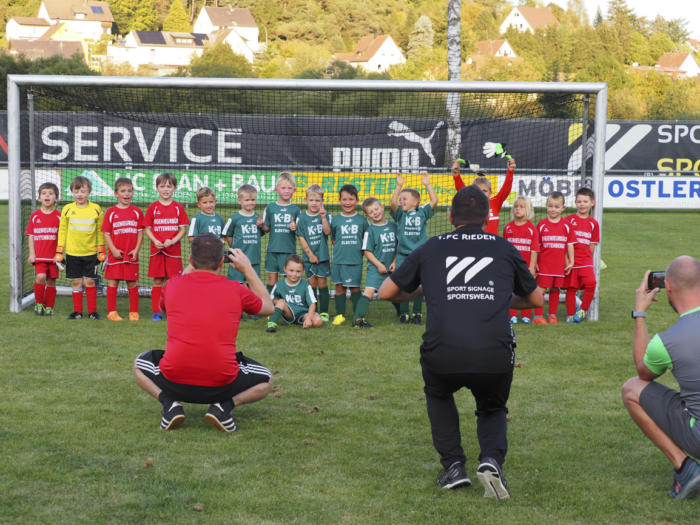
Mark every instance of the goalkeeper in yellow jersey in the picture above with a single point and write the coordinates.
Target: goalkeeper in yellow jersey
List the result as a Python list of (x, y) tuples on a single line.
[(82, 245)]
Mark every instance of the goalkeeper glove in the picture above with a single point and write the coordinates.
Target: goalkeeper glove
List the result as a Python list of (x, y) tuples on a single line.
[(59, 254), (101, 255), (495, 148)]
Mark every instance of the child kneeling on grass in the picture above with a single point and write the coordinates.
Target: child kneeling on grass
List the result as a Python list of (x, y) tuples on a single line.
[(294, 298)]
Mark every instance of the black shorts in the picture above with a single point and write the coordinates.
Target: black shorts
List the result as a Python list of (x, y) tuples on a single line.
[(79, 266), (250, 373)]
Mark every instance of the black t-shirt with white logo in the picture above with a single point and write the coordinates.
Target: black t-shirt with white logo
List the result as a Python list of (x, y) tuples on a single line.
[(468, 279)]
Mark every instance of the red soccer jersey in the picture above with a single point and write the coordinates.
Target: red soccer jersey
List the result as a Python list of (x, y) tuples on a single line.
[(204, 312), (495, 203), (165, 221), (587, 232), (525, 238), (44, 228), (554, 239), (123, 226)]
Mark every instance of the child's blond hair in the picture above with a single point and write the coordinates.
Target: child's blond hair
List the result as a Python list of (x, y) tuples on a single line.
[(557, 195), (164, 178), (247, 189), (414, 193), (369, 201), (285, 176), (315, 189), (80, 181), (122, 181), (205, 191), (529, 208), (482, 181)]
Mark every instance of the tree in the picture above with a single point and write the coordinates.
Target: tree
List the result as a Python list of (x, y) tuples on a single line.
[(220, 61), (145, 16), (421, 38), (177, 19)]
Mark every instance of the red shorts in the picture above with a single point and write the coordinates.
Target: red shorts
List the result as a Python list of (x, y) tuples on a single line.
[(581, 277), (550, 281), (49, 268), (122, 271), (161, 266)]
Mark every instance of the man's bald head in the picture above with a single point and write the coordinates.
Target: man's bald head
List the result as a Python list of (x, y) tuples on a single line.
[(684, 273)]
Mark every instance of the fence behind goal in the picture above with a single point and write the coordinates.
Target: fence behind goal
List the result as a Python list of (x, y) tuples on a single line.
[(225, 133)]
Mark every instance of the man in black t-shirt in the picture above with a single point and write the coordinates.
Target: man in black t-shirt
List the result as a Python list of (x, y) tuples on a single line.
[(470, 279)]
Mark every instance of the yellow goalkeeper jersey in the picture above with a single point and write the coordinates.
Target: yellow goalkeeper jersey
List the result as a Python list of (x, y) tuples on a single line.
[(80, 231)]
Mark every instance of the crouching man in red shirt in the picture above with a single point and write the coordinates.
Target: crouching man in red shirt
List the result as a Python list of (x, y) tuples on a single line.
[(200, 363)]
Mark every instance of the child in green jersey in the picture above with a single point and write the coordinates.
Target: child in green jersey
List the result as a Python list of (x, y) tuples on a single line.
[(313, 229), (206, 221), (347, 232), (411, 219), (294, 298)]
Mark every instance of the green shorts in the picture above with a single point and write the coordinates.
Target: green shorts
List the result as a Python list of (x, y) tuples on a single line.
[(349, 275), (235, 275), (298, 314), (322, 269), (374, 279), (274, 262)]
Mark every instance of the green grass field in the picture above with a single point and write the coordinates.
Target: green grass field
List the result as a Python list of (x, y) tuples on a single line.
[(344, 437)]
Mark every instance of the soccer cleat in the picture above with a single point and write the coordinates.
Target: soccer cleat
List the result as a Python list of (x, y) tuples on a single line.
[(75, 315), (48, 311), (417, 319), (454, 476), (38, 309), (325, 317), (491, 477), (580, 315), (526, 320), (95, 316), (404, 319), (134, 316), (338, 319), (361, 323), (539, 320), (514, 319), (271, 327), (114, 316), (173, 416), (157, 316), (553, 319), (570, 319), (686, 483), (221, 418)]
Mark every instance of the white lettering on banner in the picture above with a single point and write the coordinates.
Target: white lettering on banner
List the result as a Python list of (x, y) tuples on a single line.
[(55, 143), (118, 145), (383, 160), (81, 142), (675, 132), (149, 154)]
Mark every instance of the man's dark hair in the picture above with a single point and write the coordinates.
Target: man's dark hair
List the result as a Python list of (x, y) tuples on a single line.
[(470, 207), (207, 251)]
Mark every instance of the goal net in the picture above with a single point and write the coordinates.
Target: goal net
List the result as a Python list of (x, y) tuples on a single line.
[(225, 133)]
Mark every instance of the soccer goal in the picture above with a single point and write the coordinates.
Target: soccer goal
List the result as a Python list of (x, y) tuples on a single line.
[(223, 133)]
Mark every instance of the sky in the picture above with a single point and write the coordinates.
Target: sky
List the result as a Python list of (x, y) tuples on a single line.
[(669, 9)]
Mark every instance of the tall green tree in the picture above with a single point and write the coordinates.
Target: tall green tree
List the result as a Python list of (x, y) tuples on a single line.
[(177, 19), (220, 61), (421, 38), (145, 16)]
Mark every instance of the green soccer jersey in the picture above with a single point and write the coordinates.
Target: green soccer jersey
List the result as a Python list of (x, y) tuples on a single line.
[(278, 217), (310, 227), (347, 232), (381, 241), (203, 223), (299, 295), (412, 227), (245, 234)]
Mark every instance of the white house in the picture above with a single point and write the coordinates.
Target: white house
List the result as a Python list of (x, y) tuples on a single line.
[(686, 65), (90, 19), (238, 44), (25, 28), (163, 51), (528, 19), (240, 20), (491, 48), (374, 54)]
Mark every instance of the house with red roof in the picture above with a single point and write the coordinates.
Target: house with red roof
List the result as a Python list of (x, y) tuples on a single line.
[(233, 25), (491, 48), (90, 19), (374, 54), (529, 19), (684, 63)]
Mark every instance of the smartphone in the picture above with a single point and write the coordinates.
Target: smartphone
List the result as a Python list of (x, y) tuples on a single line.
[(656, 280)]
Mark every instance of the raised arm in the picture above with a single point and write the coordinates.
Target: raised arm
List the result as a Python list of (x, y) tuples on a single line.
[(397, 191), (431, 191), (459, 183)]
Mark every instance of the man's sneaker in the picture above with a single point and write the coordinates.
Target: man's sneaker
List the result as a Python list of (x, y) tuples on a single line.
[(325, 317), (157, 316), (570, 319), (75, 315), (253, 317), (491, 477), (48, 310), (114, 316), (271, 327), (173, 416), (404, 319), (361, 323), (552, 319), (454, 476), (526, 320), (514, 319), (38, 309), (221, 418), (134, 316), (417, 319), (338, 319), (95, 316), (539, 320), (686, 483), (580, 315)]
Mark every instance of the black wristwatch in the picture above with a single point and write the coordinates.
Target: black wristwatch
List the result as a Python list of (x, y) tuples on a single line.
[(637, 313)]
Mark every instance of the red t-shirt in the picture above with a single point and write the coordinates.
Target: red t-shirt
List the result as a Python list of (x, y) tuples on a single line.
[(495, 203), (204, 312), (525, 238), (165, 222), (554, 239), (587, 232), (123, 225), (44, 228)]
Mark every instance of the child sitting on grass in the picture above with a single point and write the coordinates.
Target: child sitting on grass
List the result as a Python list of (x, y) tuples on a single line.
[(293, 298)]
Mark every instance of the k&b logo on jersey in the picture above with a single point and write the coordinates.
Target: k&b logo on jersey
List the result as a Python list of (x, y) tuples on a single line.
[(460, 272)]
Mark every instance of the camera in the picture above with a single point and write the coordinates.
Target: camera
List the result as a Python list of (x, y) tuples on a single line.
[(656, 280)]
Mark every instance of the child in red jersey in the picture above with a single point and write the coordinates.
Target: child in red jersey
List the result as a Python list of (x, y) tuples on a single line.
[(556, 255), (42, 231), (582, 277), (166, 223), (522, 234), (123, 231), (484, 184)]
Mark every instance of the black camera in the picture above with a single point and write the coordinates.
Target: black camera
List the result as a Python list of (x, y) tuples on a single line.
[(656, 280)]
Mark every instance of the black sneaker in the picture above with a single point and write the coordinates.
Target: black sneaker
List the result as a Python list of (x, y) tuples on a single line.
[(417, 319), (454, 476), (221, 418), (404, 319), (361, 323), (173, 416), (75, 315), (95, 316), (686, 483), (253, 317), (491, 477)]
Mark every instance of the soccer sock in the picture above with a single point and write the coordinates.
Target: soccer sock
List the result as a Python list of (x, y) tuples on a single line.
[(362, 307), (512, 312), (340, 300), (78, 301), (570, 301), (324, 298), (134, 299), (354, 297), (417, 305), (155, 299), (111, 298), (404, 308), (91, 293), (587, 299), (553, 301), (397, 307), (526, 313), (39, 293), (50, 296), (276, 315)]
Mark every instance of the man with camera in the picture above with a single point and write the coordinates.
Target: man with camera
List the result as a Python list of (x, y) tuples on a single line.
[(670, 419)]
